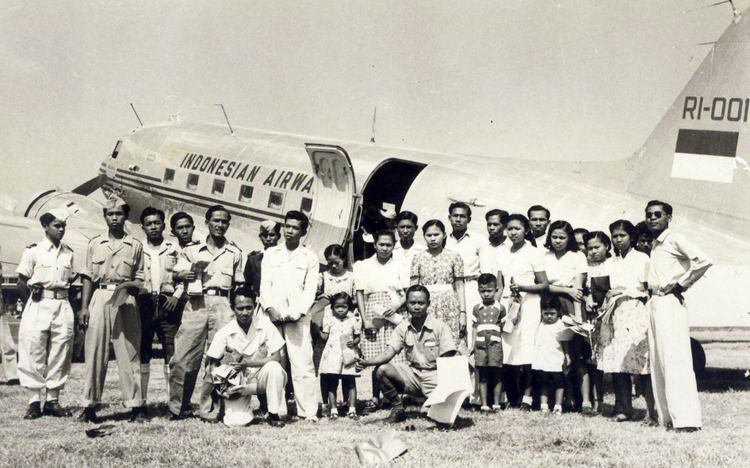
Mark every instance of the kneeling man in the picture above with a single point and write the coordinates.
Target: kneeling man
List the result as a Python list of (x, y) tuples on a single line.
[(424, 339), (244, 360)]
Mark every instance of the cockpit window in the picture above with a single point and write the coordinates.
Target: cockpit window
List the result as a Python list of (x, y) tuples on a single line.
[(117, 149)]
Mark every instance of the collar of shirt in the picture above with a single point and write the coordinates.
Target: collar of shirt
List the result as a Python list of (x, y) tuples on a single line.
[(663, 236), (427, 325), (482, 305), (126, 240), (467, 235), (47, 245), (157, 249), (227, 247)]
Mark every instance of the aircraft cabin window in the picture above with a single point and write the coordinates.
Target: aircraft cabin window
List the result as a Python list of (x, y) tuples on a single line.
[(276, 200), (218, 187), (306, 205), (168, 176), (246, 193), (192, 181)]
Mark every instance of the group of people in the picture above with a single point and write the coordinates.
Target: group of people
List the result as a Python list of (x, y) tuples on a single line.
[(541, 310)]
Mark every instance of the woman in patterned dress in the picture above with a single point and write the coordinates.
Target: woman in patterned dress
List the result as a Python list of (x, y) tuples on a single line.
[(441, 271), (380, 284), (628, 354)]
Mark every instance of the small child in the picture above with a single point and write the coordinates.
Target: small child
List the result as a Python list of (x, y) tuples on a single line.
[(341, 330), (488, 347), (336, 278), (551, 355)]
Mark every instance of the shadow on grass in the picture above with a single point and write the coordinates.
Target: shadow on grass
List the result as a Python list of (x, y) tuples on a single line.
[(718, 380)]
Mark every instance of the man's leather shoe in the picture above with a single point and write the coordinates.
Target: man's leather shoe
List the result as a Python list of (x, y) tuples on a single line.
[(34, 411), (138, 414), (53, 408), (274, 421)]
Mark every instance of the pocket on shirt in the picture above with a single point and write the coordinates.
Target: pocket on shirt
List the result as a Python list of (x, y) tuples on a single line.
[(125, 268)]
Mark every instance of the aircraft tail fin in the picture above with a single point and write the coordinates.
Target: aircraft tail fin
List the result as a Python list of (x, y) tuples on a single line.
[(699, 153)]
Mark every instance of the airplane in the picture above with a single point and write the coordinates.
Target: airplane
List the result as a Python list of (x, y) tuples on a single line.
[(696, 158)]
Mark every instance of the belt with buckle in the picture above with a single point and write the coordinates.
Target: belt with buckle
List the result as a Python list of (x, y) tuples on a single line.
[(107, 286), (216, 292), (470, 277), (54, 294)]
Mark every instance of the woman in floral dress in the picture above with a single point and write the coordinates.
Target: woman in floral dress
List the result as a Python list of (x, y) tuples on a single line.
[(441, 271)]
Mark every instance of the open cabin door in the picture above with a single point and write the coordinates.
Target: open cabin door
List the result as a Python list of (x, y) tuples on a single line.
[(336, 201)]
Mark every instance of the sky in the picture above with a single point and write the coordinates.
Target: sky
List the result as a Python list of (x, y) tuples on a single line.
[(574, 80)]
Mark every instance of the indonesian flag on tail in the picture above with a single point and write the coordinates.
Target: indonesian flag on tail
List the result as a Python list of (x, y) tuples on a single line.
[(705, 155)]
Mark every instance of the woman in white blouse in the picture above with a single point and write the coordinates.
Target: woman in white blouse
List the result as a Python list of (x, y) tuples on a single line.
[(524, 273), (628, 352), (566, 268), (380, 283)]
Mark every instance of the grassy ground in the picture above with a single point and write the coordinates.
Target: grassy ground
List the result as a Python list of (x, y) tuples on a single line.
[(511, 438)]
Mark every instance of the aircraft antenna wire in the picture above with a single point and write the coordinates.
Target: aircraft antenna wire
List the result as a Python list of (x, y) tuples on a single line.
[(231, 130), (140, 122)]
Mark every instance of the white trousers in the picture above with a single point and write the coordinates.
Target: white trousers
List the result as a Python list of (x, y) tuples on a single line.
[(672, 376), (299, 351), (45, 345)]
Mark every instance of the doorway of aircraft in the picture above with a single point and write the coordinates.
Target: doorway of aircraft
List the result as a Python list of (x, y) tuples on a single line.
[(385, 189)]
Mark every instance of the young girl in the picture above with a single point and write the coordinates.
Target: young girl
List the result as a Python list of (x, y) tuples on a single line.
[(597, 250), (525, 275), (341, 330), (551, 356), (336, 278), (629, 347), (566, 270)]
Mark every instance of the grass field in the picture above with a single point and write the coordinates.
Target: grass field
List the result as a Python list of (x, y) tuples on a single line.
[(508, 439)]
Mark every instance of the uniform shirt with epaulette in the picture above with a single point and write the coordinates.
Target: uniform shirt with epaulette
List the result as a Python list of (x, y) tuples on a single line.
[(108, 262), (46, 265), (159, 262), (224, 269)]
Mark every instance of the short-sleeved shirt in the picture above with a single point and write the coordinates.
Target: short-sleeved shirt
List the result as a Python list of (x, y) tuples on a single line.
[(493, 257), (289, 280), (158, 266), (423, 347), (329, 285), (468, 248), (261, 340), (564, 270), (548, 350), (111, 261), (629, 272), (405, 256), (46, 265), (523, 264), (225, 265), (370, 276)]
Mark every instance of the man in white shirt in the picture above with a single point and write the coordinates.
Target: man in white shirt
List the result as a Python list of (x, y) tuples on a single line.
[(462, 242), (244, 359), (289, 280), (492, 253), (539, 219), (675, 265), (406, 247)]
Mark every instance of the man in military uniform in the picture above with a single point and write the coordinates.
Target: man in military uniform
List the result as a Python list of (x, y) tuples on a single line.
[(45, 335), (159, 302), (182, 228), (113, 274), (214, 268)]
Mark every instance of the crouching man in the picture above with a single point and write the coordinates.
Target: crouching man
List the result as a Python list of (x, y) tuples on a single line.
[(423, 339), (244, 359)]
